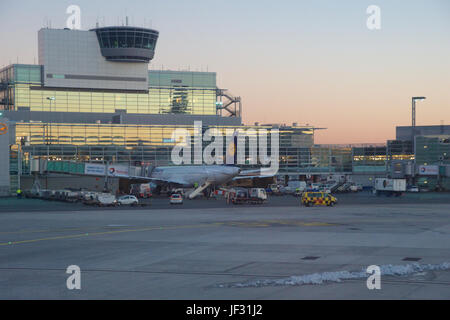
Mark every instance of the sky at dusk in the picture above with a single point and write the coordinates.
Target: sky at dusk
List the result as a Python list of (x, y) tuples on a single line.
[(312, 62)]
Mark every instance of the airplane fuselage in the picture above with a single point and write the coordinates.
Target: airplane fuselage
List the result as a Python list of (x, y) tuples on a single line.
[(189, 176)]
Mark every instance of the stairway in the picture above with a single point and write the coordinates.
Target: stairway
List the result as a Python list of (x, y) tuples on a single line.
[(200, 189)]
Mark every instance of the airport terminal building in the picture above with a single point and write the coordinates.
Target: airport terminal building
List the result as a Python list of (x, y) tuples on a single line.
[(92, 99)]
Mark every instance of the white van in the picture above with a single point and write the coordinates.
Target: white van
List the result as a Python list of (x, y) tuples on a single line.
[(106, 199)]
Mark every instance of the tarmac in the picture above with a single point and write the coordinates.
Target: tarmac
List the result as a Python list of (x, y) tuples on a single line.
[(206, 249)]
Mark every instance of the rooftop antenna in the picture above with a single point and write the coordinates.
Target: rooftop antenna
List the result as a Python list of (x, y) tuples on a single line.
[(126, 21)]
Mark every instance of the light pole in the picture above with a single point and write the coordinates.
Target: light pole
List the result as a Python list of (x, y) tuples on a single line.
[(414, 99), (413, 122), (413, 129), (50, 99)]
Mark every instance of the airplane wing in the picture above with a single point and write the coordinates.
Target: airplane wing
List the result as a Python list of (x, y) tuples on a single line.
[(161, 181)]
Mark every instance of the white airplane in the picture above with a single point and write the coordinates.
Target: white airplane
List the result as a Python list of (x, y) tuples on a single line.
[(201, 176)]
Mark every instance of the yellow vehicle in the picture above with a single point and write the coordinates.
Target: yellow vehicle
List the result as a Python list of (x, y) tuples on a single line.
[(318, 198)]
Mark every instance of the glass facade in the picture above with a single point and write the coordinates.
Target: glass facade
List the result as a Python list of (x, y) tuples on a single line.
[(169, 92), (127, 43), (370, 159), (95, 134), (127, 37), (13, 76), (153, 143), (146, 143), (400, 150), (432, 150), (332, 158), (156, 101), (22, 73)]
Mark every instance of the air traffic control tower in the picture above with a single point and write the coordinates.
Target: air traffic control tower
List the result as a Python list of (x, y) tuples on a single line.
[(102, 76), (114, 58)]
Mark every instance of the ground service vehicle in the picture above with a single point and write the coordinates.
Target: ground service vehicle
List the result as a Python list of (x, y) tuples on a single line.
[(413, 189), (176, 198), (106, 199), (293, 186), (243, 195), (390, 187), (273, 189), (318, 198), (141, 190), (131, 200)]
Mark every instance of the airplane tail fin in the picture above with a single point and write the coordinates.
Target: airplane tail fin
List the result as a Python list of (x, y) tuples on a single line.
[(231, 155)]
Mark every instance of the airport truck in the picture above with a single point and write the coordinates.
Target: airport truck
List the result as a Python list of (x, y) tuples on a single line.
[(390, 187), (293, 186), (244, 195), (100, 199), (141, 190)]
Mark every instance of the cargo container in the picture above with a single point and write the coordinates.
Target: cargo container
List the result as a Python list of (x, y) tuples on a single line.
[(390, 187)]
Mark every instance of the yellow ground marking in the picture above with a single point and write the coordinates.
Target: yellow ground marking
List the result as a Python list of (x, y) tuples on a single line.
[(249, 224), (49, 230), (274, 223), (105, 233)]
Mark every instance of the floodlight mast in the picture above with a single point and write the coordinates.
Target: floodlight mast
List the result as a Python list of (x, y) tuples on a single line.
[(414, 99), (413, 122)]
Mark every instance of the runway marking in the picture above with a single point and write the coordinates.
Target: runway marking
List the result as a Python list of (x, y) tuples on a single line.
[(105, 233), (245, 224), (277, 223), (46, 230)]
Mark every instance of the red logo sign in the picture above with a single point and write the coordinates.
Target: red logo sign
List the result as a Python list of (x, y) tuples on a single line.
[(3, 128)]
